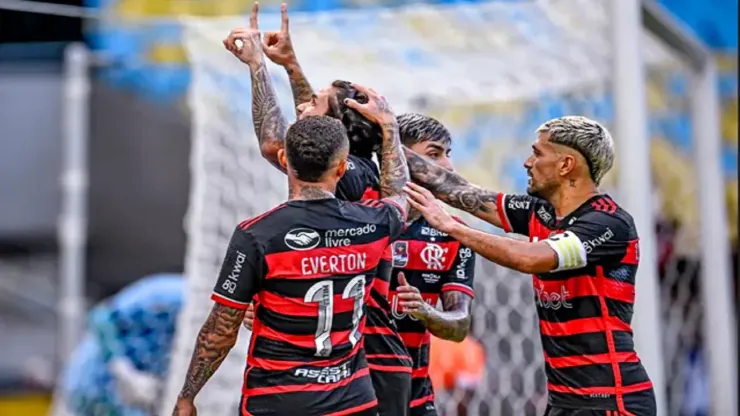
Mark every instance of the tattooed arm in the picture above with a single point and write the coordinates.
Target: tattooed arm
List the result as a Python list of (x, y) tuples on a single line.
[(269, 124), (238, 281), (279, 48), (394, 171), (453, 189), (302, 91), (215, 339), (453, 323)]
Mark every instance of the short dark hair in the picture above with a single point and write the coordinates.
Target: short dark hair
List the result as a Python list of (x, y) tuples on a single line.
[(312, 144), (365, 137), (416, 128)]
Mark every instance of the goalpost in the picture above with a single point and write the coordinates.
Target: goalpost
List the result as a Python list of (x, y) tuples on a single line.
[(492, 72)]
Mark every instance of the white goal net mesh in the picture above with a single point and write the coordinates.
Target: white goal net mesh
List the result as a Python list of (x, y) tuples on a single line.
[(492, 72)]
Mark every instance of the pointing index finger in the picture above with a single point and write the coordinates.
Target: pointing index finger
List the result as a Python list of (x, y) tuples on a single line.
[(284, 22), (253, 24)]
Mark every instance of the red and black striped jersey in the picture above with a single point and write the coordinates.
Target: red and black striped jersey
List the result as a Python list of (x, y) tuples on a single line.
[(585, 305), (361, 180), (434, 263), (308, 266), (383, 346)]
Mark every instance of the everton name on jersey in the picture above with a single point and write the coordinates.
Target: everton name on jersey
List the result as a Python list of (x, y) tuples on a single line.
[(308, 267), (434, 263)]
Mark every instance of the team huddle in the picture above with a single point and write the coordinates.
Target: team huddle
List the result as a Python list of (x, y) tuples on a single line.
[(340, 284)]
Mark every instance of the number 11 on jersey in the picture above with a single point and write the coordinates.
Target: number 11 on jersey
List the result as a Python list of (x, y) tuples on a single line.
[(323, 294)]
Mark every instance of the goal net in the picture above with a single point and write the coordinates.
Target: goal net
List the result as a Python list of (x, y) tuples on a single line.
[(492, 72)]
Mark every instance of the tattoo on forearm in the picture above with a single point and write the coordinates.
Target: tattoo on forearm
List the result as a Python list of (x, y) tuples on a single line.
[(449, 186), (269, 124), (394, 171), (454, 323), (302, 91), (215, 339)]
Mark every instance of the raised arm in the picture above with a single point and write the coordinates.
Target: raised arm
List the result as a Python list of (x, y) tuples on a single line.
[(453, 189), (279, 48), (269, 124), (394, 172)]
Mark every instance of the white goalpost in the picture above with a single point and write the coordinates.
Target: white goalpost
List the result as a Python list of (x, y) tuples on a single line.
[(491, 72)]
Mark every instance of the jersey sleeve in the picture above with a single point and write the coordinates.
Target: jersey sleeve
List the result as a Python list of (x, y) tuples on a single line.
[(241, 272), (358, 181), (595, 238), (461, 274), (515, 212)]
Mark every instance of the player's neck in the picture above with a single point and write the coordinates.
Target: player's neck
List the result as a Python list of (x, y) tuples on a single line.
[(571, 196), (304, 191)]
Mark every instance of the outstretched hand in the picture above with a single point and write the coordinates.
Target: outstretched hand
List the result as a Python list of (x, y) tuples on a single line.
[(277, 45), (377, 109), (423, 201), (245, 42)]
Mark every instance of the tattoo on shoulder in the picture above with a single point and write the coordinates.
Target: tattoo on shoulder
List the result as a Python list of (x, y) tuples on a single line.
[(449, 186), (269, 123)]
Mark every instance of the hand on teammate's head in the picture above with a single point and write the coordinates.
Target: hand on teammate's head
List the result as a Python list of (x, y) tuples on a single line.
[(277, 45), (245, 42), (377, 109)]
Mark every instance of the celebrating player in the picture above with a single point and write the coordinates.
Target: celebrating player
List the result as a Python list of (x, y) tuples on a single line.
[(429, 265), (435, 265), (583, 252), (305, 265), (387, 356)]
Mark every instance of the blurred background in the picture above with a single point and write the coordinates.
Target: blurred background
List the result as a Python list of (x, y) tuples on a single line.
[(127, 154)]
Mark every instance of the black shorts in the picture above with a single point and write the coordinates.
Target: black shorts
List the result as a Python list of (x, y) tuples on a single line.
[(393, 390)]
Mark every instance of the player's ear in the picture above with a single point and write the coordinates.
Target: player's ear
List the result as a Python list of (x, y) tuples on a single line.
[(341, 168), (567, 164), (282, 159)]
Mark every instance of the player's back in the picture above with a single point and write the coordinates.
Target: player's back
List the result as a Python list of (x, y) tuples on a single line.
[(319, 259)]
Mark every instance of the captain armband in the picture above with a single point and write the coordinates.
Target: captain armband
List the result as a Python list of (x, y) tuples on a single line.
[(570, 251)]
